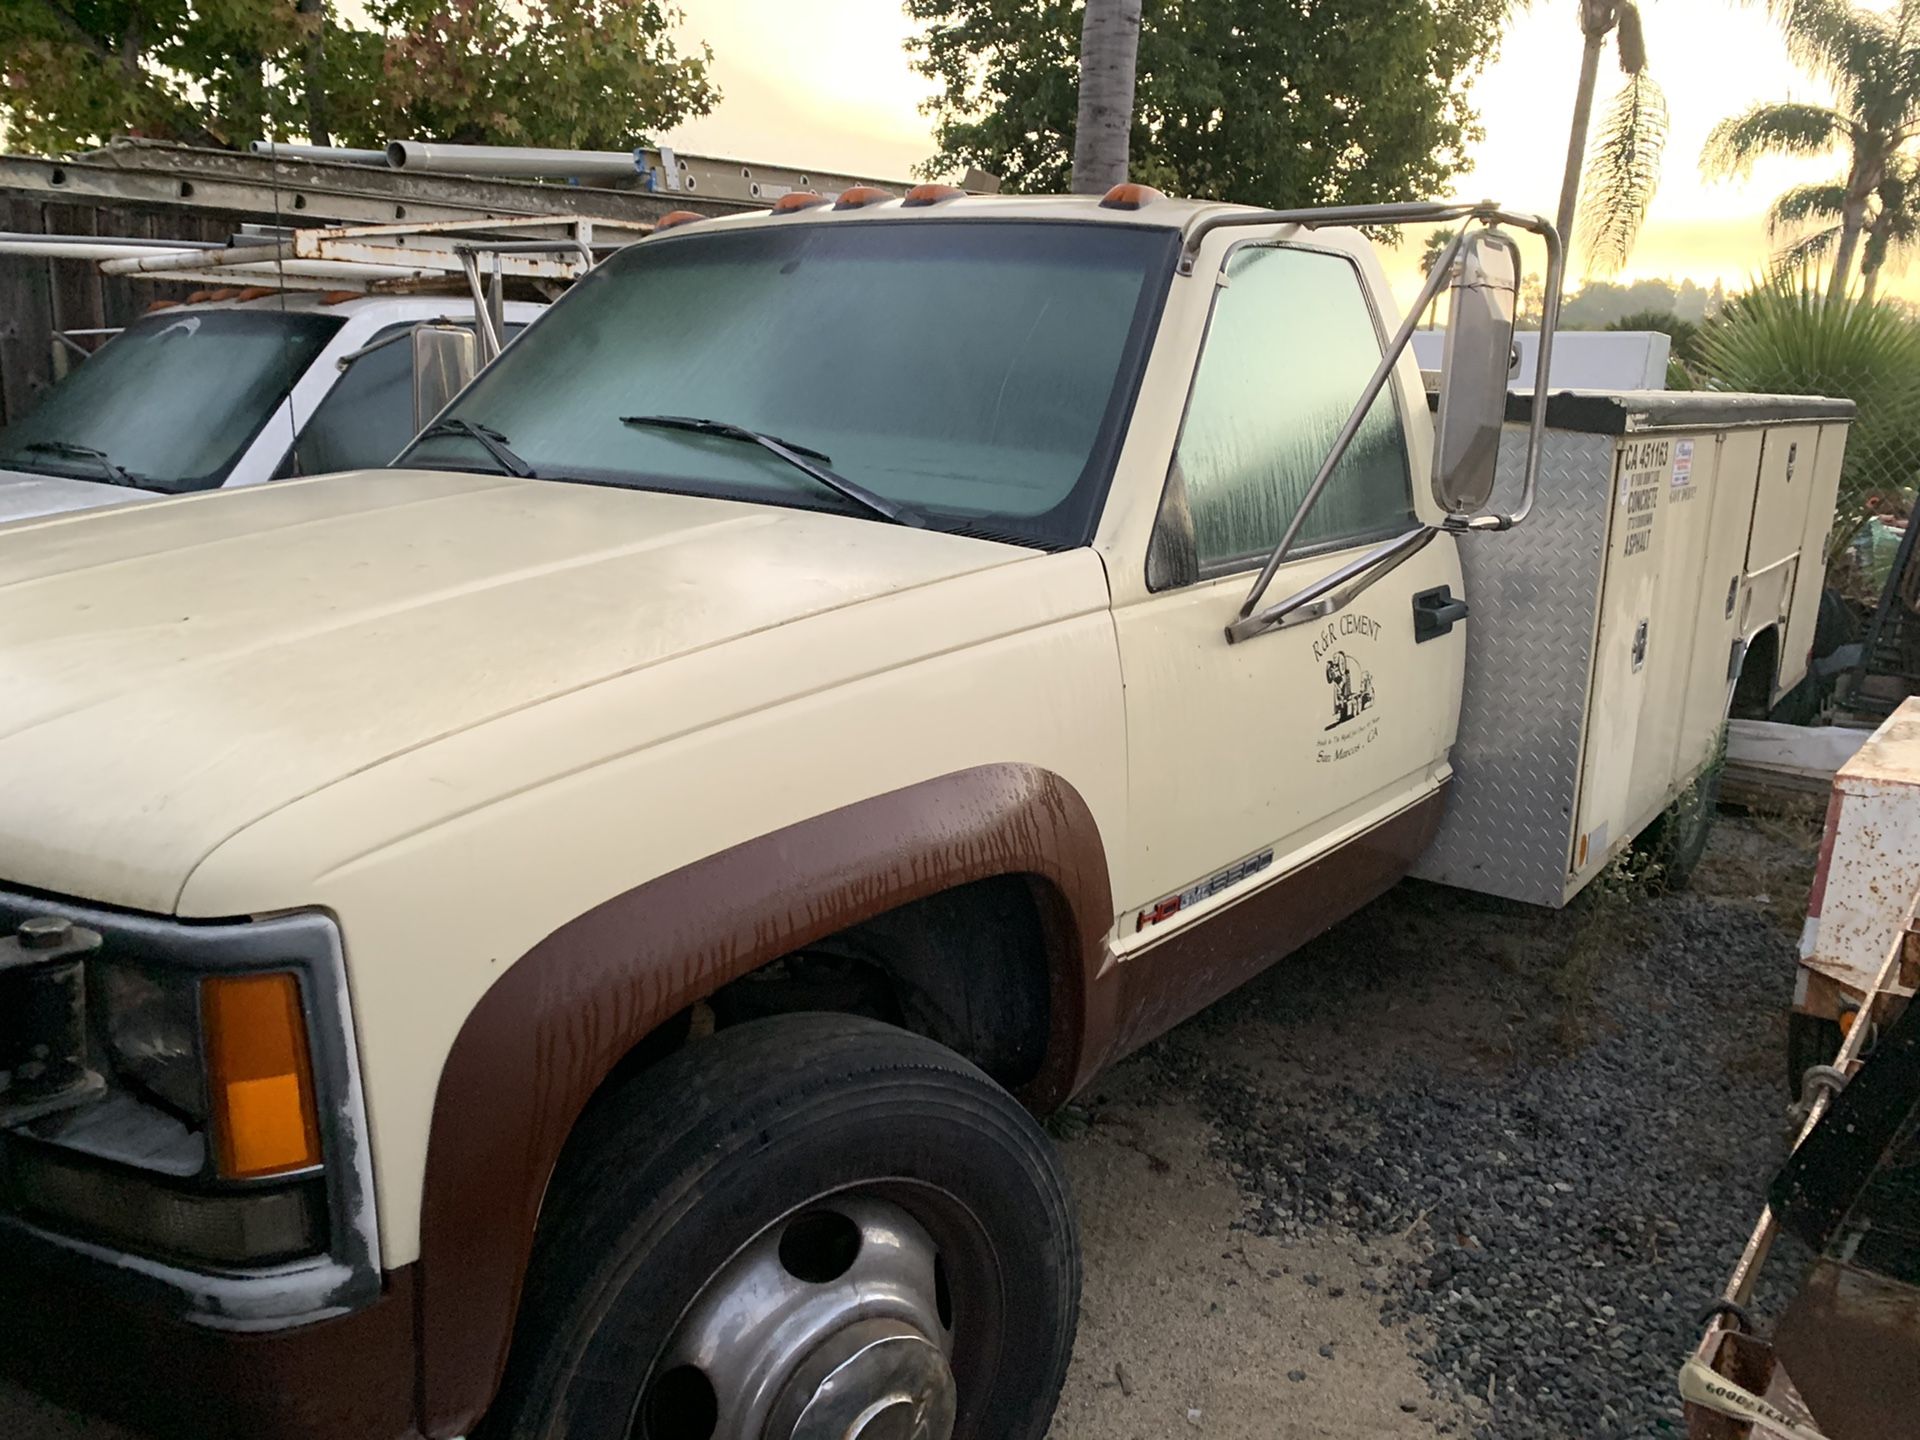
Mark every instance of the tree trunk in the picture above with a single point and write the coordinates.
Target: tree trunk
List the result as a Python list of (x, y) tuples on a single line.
[(1109, 55), (1577, 140), (313, 64), (1869, 283), (1853, 220)]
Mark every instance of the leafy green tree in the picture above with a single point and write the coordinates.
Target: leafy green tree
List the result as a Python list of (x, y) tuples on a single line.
[(1277, 104), (570, 73), (1871, 58)]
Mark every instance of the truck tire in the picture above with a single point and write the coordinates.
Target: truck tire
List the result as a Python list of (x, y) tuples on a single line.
[(809, 1225), (1678, 839)]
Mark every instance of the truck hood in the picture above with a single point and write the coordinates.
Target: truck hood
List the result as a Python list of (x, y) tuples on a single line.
[(170, 674), (24, 495)]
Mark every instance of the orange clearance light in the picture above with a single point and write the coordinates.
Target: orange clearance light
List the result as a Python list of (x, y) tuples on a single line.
[(932, 194), (338, 297), (1129, 197), (855, 197), (153, 305), (262, 1076), (676, 217), (256, 292), (798, 200)]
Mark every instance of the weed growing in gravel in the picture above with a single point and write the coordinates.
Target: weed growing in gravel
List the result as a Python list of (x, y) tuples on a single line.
[(1608, 915)]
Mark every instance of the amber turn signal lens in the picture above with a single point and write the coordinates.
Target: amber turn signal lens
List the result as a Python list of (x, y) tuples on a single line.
[(1125, 196), (856, 197), (932, 194), (797, 200), (261, 1073)]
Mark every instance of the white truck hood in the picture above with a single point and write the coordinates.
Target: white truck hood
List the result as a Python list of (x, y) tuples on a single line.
[(24, 496), (170, 674)]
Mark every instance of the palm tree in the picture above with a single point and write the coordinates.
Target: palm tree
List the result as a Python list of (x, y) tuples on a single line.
[(1109, 53), (1625, 161), (1872, 60), (1892, 225)]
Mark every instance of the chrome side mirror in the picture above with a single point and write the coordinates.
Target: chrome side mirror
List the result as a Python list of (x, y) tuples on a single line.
[(445, 360), (1476, 361)]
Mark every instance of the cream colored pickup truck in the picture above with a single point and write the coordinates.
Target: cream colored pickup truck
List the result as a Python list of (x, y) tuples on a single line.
[(563, 937)]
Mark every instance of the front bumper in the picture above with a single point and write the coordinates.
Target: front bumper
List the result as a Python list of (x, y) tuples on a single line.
[(86, 1335)]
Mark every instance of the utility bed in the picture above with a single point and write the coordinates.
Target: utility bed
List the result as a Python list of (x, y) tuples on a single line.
[(1675, 547)]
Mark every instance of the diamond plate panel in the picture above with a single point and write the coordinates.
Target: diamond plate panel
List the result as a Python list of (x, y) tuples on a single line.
[(1535, 598)]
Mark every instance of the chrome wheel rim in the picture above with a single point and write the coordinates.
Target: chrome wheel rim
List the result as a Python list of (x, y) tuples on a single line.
[(834, 1323)]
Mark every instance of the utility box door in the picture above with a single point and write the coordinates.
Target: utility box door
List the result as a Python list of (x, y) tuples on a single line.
[(1655, 587), (1736, 469), (1787, 466), (1796, 646)]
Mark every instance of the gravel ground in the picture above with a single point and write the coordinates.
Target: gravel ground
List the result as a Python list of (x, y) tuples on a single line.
[(1558, 1127), (1457, 1169)]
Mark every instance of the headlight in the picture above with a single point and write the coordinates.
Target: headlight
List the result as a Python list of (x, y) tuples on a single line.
[(213, 1122), (149, 1026), (209, 1091)]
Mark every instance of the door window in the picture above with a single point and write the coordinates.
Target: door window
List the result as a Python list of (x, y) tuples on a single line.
[(1291, 345), (367, 418)]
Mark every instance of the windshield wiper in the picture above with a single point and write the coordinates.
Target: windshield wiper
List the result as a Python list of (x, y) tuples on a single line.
[(807, 461), (66, 449), (488, 438)]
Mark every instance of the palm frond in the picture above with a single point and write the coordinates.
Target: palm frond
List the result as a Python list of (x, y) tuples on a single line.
[(1623, 170), (1803, 203), (1806, 252), (1782, 128), (1838, 40)]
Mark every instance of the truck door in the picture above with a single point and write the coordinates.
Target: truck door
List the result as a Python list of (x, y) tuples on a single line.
[(1248, 760)]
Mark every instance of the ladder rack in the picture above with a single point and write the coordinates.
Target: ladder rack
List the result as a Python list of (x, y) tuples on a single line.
[(545, 251)]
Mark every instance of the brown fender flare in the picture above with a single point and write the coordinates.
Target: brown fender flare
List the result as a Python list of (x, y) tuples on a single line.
[(548, 1032)]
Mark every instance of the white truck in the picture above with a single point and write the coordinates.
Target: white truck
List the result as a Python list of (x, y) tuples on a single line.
[(563, 936), (221, 393)]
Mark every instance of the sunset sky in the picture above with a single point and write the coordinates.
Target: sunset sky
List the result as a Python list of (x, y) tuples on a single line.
[(826, 83)]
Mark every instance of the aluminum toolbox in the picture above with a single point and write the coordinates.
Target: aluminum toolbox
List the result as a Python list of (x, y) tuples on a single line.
[(1672, 530)]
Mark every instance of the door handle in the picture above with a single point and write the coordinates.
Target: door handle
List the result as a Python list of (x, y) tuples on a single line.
[(1435, 612)]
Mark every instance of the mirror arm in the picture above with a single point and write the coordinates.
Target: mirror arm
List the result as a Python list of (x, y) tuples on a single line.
[(1355, 419), (482, 313), (1334, 592)]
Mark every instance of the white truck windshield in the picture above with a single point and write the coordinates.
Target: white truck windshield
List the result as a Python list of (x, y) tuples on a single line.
[(975, 373), (172, 402)]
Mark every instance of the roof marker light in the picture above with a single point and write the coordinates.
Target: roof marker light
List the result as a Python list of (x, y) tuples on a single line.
[(1126, 196), (856, 197), (794, 200), (932, 194), (676, 217)]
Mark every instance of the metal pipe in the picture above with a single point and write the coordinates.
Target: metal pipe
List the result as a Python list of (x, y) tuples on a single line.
[(337, 154), (96, 247), (512, 160)]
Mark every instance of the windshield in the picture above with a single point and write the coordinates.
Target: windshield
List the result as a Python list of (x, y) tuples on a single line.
[(975, 372), (173, 400)]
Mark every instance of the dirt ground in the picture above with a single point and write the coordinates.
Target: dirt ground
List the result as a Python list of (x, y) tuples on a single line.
[(1191, 1326), (1218, 1301)]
